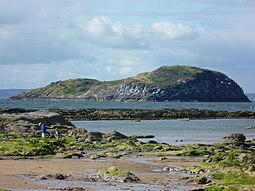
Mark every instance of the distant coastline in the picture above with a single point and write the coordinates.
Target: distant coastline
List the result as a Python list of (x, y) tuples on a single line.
[(251, 96), (5, 93)]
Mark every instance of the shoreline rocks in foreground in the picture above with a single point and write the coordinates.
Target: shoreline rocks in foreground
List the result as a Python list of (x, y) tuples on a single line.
[(233, 156)]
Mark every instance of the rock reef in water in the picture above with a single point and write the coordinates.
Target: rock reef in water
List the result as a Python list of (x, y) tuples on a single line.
[(142, 114), (136, 115), (167, 83)]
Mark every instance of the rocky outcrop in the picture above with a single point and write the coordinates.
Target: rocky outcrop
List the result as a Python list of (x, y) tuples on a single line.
[(81, 135), (176, 83), (113, 174), (114, 135), (233, 139), (27, 122), (206, 86)]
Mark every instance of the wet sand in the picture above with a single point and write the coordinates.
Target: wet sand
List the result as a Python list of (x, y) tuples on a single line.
[(19, 174)]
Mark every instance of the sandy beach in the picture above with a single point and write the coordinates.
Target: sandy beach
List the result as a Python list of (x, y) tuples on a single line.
[(22, 174)]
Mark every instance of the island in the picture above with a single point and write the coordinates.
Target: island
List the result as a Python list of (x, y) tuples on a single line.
[(167, 83)]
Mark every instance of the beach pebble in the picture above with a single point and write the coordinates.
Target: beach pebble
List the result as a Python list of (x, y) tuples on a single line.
[(166, 169), (163, 158)]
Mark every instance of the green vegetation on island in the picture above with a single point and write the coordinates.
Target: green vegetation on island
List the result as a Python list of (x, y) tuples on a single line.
[(167, 83), (168, 75)]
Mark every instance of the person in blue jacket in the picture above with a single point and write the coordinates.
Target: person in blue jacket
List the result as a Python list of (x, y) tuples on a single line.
[(43, 129)]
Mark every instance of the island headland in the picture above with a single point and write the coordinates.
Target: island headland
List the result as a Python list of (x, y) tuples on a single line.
[(167, 83)]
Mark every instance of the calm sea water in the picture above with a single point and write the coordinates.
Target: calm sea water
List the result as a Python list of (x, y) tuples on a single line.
[(169, 131), (173, 131), (81, 104)]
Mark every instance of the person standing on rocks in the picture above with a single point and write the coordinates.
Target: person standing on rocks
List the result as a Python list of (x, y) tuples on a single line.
[(43, 129), (57, 133)]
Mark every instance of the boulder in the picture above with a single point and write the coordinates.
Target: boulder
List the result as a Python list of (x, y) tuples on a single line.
[(77, 132), (221, 149), (242, 157), (152, 142), (27, 122), (83, 136), (113, 174), (114, 135), (94, 136), (233, 139), (252, 148), (203, 180)]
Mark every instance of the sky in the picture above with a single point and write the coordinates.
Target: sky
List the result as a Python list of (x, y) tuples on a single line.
[(42, 41)]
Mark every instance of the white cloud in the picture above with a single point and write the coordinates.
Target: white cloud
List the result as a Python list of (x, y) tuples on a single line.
[(122, 67), (130, 63), (123, 70), (174, 31), (104, 32), (99, 27), (55, 40)]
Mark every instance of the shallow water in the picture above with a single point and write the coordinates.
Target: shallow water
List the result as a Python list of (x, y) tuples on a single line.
[(104, 186), (175, 131), (114, 186), (97, 186)]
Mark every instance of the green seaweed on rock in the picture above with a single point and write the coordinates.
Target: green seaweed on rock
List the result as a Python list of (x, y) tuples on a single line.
[(114, 171)]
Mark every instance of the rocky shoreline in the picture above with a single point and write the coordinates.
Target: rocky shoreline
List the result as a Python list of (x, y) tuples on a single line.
[(228, 164)]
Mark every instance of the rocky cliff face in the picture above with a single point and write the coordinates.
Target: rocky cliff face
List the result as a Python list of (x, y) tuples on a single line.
[(176, 83)]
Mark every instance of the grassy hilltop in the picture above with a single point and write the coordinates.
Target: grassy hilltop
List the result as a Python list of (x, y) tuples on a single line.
[(167, 83)]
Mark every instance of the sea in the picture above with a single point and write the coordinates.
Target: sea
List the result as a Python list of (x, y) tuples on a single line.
[(174, 132)]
